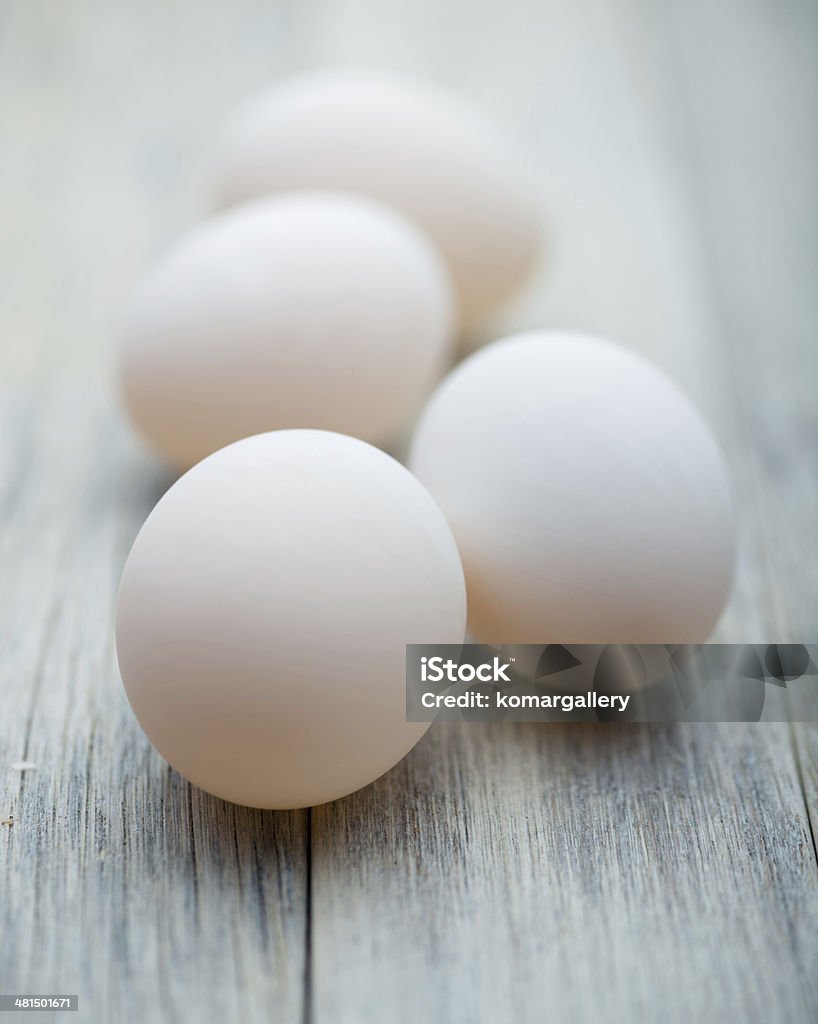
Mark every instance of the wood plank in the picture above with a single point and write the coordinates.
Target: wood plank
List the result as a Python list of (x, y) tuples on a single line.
[(568, 873), (745, 113), (120, 882), (754, 155), (562, 872)]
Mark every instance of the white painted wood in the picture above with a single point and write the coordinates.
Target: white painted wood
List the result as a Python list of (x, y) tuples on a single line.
[(504, 873), (645, 874), (753, 134), (118, 881), (570, 873)]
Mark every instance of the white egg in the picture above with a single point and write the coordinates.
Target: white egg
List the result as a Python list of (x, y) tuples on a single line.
[(264, 611), (404, 143), (309, 310), (588, 498)]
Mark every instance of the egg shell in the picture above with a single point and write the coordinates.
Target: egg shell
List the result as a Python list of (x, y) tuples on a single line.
[(587, 496), (309, 310), (407, 144), (264, 611)]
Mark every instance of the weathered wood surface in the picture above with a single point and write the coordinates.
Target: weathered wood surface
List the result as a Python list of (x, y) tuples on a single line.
[(502, 873)]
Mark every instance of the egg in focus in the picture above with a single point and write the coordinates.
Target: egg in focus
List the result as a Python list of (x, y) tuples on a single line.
[(264, 610)]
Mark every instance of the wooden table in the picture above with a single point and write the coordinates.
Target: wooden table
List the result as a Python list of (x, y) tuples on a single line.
[(499, 873)]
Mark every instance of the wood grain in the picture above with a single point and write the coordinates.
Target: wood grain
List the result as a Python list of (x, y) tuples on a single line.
[(570, 873), (120, 882), (753, 139), (650, 874), (499, 873)]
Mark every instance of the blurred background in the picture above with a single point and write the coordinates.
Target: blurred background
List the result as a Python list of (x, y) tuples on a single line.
[(659, 874), (675, 144)]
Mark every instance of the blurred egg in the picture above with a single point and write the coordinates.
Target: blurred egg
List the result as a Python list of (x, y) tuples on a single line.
[(264, 611), (587, 497), (407, 144), (308, 310)]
